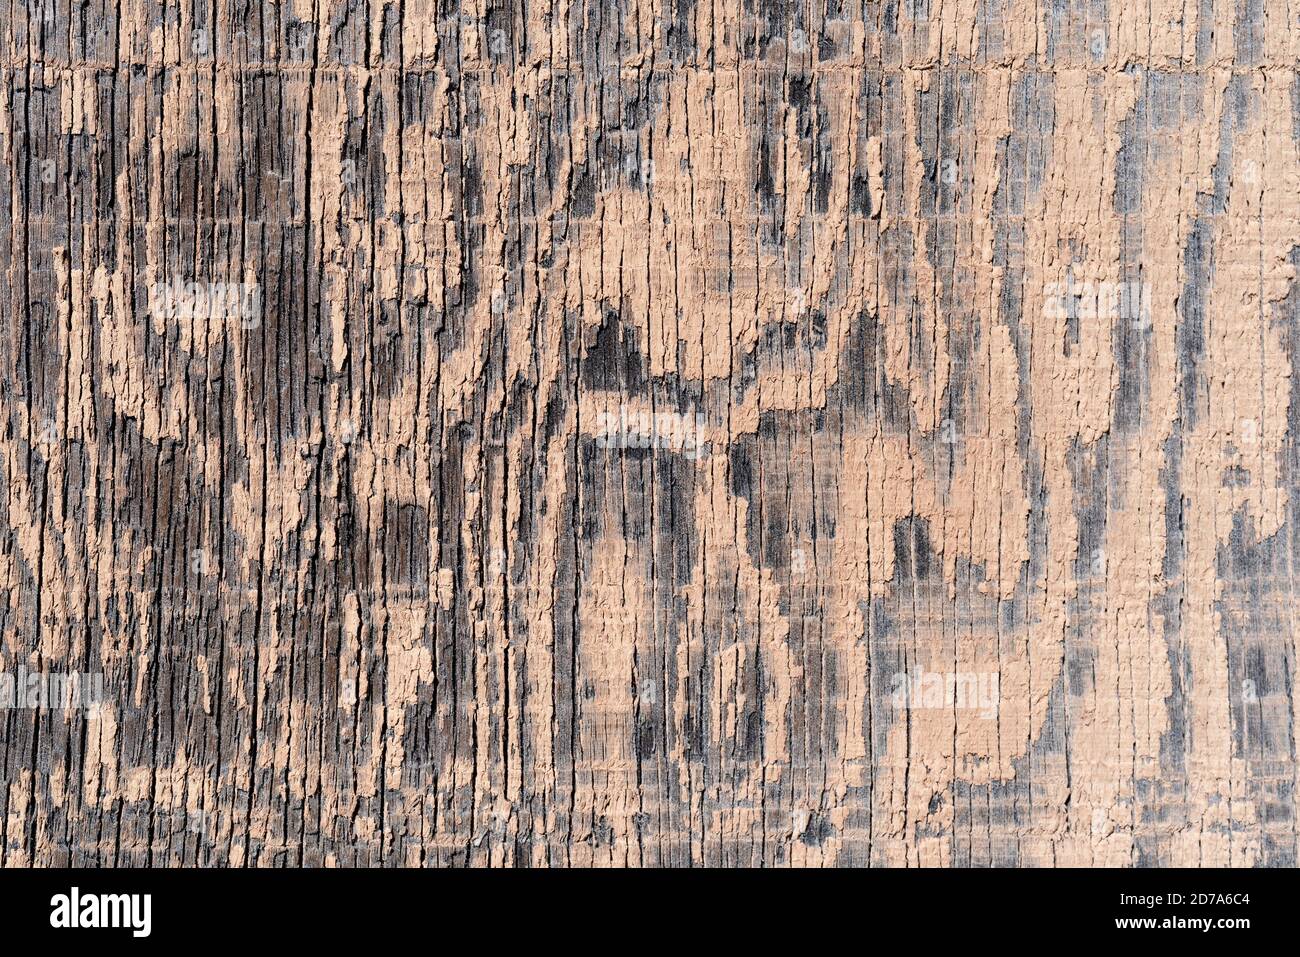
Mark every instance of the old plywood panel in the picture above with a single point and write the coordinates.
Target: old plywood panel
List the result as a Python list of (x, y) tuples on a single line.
[(648, 433)]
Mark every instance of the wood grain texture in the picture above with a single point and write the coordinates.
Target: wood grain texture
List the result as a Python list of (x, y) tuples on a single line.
[(650, 433)]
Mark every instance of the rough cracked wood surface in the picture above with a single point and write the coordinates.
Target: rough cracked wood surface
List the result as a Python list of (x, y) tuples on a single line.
[(948, 519)]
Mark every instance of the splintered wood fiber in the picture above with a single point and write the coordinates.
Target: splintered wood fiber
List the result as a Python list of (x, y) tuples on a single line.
[(649, 432)]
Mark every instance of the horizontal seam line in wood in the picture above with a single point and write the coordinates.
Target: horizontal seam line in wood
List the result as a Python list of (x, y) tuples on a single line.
[(598, 70)]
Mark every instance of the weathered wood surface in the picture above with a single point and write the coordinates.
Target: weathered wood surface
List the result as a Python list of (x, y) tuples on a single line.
[(969, 332)]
